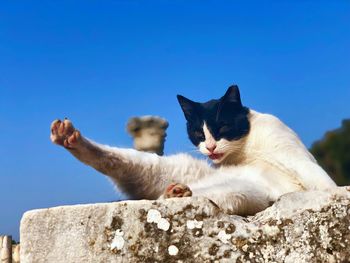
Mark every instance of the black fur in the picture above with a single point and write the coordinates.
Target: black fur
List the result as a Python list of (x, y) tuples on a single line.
[(225, 117)]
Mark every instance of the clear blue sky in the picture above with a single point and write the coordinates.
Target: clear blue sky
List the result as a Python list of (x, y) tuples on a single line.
[(100, 62)]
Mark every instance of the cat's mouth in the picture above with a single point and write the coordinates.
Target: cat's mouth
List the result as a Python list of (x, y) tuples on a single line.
[(216, 156)]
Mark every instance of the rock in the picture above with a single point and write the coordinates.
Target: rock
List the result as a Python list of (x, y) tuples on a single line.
[(6, 249), (148, 132), (15, 253), (300, 227)]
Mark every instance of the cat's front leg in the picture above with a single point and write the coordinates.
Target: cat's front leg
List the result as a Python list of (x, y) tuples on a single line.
[(240, 203), (177, 190), (235, 203), (233, 194)]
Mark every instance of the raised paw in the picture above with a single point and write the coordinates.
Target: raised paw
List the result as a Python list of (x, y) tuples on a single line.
[(177, 190), (63, 133)]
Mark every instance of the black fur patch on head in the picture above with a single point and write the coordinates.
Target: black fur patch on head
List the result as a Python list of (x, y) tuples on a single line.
[(225, 117)]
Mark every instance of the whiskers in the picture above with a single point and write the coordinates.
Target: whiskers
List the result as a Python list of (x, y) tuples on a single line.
[(196, 152), (223, 147), (193, 150), (228, 148)]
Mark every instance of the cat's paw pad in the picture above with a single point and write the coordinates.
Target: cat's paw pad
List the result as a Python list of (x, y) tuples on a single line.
[(177, 190), (63, 133)]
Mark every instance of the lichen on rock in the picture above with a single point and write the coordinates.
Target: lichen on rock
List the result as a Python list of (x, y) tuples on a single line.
[(309, 226)]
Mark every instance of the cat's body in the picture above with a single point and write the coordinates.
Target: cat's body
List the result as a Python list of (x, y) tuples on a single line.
[(255, 163)]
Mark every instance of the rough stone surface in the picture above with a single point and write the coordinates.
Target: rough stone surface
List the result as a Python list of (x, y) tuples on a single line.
[(6, 249), (300, 227)]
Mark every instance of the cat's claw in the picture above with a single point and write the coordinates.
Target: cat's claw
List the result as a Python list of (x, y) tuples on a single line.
[(63, 133), (177, 190)]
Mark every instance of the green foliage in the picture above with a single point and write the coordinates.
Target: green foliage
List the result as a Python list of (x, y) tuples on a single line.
[(333, 153)]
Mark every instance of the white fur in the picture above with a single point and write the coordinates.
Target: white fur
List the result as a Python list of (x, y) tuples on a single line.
[(254, 171), (271, 161)]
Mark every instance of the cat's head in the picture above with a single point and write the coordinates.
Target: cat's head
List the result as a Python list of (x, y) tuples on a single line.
[(217, 127)]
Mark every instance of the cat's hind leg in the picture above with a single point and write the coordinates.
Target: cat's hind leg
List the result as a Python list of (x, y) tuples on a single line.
[(134, 172), (140, 175), (63, 133)]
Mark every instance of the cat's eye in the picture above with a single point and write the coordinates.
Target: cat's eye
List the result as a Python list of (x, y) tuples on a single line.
[(224, 129)]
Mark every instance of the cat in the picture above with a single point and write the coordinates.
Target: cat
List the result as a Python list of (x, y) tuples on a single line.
[(256, 158)]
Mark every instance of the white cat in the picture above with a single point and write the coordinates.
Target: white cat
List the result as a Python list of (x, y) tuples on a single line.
[(256, 158)]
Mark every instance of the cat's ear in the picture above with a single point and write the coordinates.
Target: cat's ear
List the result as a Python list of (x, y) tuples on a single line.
[(188, 107), (232, 95)]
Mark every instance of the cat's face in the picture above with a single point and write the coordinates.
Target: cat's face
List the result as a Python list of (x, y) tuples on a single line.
[(217, 127)]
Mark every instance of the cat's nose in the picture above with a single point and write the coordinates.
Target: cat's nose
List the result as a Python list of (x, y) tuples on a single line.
[(211, 148)]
